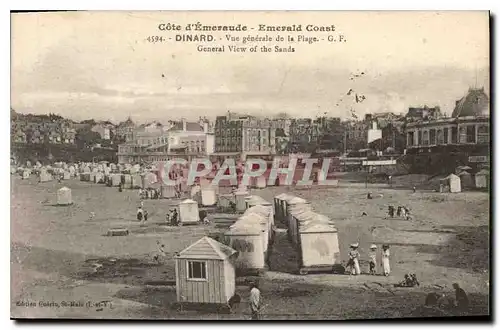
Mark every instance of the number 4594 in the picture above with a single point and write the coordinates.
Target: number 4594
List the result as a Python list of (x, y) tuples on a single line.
[(155, 39)]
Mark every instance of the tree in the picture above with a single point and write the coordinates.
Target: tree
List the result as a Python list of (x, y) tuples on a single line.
[(86, 138), (90, 122)]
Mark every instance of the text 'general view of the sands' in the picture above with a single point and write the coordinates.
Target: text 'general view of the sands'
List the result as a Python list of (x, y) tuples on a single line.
[(268, 38)]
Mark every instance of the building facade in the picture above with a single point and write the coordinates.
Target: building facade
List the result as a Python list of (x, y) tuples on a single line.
[(125, 130), (245, 134), (155, 142), (104, 130), (469, 126)]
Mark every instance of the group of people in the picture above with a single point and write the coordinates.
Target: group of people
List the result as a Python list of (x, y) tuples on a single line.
[(172, 217), (142, 215), (439, 304), (354, 256), (255, 301), (409, 281), (401, 211)]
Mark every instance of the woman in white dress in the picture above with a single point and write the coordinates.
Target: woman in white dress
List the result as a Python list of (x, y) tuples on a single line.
[(385, 260), (354, 259)]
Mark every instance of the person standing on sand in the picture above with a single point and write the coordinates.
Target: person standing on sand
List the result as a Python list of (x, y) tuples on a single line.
[(391, 211), (354, 259), (140, 213), (385, 260), (255, 302), (373, 259)]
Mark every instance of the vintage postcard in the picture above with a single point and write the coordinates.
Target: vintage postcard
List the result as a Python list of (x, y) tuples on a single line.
[(250, 165)]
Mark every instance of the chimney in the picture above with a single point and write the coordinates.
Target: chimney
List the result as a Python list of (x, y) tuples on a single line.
[(205, 127), (184, 125)]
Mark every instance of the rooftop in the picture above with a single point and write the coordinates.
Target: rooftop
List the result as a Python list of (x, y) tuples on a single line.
[(474, 103)]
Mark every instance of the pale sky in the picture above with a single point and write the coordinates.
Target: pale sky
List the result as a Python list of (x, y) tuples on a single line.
[(99, 65)]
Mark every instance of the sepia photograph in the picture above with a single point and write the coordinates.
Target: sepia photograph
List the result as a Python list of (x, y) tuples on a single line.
[(258, 165)]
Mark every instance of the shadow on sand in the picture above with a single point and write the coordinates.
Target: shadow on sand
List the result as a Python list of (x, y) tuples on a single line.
[(132, 271), (313, 300), (468, 249)]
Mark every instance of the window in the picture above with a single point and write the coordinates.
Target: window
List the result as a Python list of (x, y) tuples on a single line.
[(432, 137), (425, 139), (471, 134), (439, 137), (445, 135), (454, 135), (197, 270)]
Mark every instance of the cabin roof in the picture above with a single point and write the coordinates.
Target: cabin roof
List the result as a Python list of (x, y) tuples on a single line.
[(207, 248), (259, 209), (188, 201), (296, 200), (246, 228), (317, 227)]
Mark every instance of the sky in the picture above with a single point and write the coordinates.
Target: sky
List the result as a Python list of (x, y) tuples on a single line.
[(99, 65)]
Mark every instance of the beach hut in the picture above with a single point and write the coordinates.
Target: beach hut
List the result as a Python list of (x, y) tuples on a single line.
[(26, 175), (300, 216), (277, 206), (148, 179), (208, 196), (318, 248), (45, 176), (453, 182), (283, 210), (245, 238), (136, 181), (267, 213), (482, 179), (167, 191), (466, 180), (291, 205), (189, 213), (224, 201), (240, 200), (115, 179), (64, 196), (258, 221), (66, 175), (205, 273), (296, 213), (256, 200), (127, 181)]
